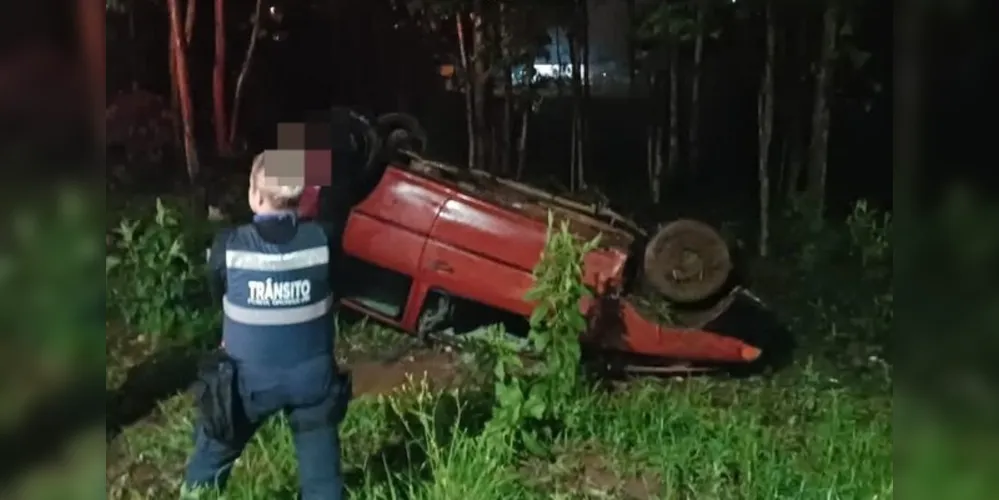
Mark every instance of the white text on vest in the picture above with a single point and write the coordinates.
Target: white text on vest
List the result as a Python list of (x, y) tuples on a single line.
[(279, 293)]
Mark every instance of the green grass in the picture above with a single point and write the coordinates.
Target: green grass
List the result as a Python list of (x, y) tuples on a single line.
[(820, 429), (800, 435)]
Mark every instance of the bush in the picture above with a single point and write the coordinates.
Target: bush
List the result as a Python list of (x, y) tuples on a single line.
[(155, 275), (835, 282)]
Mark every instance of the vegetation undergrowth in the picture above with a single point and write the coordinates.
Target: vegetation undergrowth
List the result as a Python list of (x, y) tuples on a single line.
[(531, 428), (832, 282), (155, 273)]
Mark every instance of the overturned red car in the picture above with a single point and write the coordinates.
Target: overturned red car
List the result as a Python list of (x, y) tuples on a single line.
[(432, 247)]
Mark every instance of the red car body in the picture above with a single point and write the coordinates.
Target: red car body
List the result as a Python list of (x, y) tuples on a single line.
[(444, 236)]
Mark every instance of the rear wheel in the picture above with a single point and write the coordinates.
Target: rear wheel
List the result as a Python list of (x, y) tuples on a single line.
[(380, 141), (687, 261), (399, 131)]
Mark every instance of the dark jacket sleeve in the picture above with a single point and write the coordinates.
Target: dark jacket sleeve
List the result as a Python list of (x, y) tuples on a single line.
[(216, 267), (334, 236)]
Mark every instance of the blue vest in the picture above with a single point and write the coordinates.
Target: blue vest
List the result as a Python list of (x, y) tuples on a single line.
[(278, 301)]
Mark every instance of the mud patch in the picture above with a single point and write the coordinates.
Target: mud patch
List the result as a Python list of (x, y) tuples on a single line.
[(372, 377)]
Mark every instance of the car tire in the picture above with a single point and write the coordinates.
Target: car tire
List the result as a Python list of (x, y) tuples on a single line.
[(385, 137), (687, 261), (399, 131)]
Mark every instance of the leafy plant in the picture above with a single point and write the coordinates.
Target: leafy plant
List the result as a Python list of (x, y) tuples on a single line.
[(529, 400), (155, 274)]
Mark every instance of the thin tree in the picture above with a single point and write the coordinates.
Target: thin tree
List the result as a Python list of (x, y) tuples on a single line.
[(480, 80), (819, 146), (90, 21), (244, 71), (765, 117), (584, 103), (693, 136), (632, 46), (674, 106), (219, 95), (190, 14), (182, 84), (655, 163), (530, 100), (576, 62), (506, 55), (466, 84)]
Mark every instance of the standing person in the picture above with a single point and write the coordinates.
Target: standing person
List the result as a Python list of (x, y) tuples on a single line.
[(274, 279)]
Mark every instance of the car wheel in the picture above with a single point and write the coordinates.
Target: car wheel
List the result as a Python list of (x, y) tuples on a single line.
[(378, 144), (399, 131), (385, 138), (687, 261)]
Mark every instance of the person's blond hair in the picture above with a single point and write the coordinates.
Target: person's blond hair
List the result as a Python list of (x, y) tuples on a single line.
[(279, 175)]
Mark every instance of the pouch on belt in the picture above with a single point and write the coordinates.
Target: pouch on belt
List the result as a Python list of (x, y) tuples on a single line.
[(217, 397)]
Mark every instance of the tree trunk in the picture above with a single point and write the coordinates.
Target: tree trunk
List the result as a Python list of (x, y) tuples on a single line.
[(674, 110), (693, 138), (218, 82), (182, 84), (466, 84), (506, 137), (632, 47), (819, 145), (176, 121), (575, 61), (654, 140), (480, 79), (765, 116), (794, 139), (584, 105), (189, 17), (244, 71), (796, 136), (91, 30), (525, 120)]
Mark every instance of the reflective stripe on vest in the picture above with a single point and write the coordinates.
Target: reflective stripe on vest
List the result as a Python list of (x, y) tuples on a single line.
[(256, 261), (276, 285), (276, 316)]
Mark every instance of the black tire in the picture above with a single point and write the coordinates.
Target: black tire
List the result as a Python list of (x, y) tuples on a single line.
[(399, 131), (378, 142), (687, 261)]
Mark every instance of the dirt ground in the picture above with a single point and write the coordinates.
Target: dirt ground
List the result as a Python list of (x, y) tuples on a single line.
[(157, 378), (372, 377)]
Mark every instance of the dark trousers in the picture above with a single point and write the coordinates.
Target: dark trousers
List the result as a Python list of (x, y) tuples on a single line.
[(310, 394)]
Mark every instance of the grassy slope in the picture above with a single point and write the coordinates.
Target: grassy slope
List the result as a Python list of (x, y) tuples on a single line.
[(797, 435), (812, 431)]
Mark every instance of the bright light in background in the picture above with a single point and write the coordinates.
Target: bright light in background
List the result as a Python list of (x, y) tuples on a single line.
[(552, 70)]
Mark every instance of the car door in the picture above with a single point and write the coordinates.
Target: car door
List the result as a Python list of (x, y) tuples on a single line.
[(384, 240)]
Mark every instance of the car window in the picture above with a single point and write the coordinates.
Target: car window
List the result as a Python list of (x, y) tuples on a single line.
[(375, 288)]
